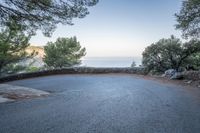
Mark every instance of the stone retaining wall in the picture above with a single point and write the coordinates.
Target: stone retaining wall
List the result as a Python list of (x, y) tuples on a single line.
[(191, 75), (75, 70)]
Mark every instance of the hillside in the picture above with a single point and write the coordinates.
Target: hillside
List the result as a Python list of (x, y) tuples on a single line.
[(38, 59), (38, 49)]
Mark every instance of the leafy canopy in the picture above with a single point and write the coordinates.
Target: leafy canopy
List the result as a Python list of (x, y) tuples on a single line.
[(42, 14), (13, 43), (169, 53), (189, 18), (65, 52)]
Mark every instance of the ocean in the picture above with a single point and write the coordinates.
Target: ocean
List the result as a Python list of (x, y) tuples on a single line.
[(94, 61), (110, 61)]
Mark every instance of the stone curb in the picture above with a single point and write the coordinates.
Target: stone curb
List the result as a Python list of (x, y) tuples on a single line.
[(74, 70)]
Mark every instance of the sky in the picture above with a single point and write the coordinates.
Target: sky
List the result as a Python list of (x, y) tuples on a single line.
[(120, 28)]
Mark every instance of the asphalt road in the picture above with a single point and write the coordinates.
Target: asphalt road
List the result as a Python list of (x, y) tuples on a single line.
[(102, 104)]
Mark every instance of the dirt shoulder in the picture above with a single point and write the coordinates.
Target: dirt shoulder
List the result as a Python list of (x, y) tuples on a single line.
[(182, 82)]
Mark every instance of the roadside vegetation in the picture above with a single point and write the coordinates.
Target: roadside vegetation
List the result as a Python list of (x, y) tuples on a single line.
[(13, 42), (172, 54), (20, 19)]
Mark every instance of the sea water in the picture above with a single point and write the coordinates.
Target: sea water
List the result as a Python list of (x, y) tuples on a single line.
[(110, 61)]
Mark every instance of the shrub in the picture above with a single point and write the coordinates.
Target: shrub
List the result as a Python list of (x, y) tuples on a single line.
[(65, 52), (169, 54)]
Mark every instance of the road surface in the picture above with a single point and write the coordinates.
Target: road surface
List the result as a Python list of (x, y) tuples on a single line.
[(110, 103)]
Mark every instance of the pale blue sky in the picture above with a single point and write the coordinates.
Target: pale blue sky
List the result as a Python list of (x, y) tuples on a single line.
[(120, 27)]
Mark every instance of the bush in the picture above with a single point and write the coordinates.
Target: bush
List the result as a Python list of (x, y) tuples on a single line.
[(32, 69), (133, 64), (13, 68), (170, 54), (65, 52)]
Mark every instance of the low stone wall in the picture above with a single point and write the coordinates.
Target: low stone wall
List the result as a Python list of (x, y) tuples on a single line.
[(75, 70), (191, 75)]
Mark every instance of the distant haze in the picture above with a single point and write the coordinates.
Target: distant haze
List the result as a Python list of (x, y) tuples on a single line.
[(120, 28), (110, 61)]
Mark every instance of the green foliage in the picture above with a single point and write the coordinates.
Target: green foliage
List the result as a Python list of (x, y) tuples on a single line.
[(169, 54), (189, 18), (12, 69), (13, 43), (194, 60), (65, 52), (32, 69), (43, 14)]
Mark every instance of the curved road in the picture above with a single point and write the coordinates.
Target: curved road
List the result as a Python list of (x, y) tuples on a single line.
[(110, 103)]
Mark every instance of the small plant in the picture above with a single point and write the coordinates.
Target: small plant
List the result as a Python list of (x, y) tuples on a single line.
[(133, 64), (32, 69)]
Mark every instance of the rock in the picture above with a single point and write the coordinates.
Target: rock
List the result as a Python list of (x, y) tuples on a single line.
[(163, 75), (173, 74), (192, 75), (188, 82), (13, 92), (177, 75), (3, 99), (169, 73)]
